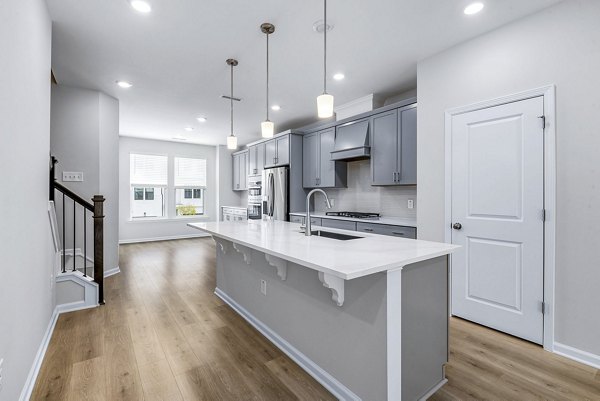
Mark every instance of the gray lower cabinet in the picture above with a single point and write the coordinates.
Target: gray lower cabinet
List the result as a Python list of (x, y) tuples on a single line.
[(240, 171), (319, 171), (394, 147), (316, 221), (384, 229), (277, 151), (296, 219), (256, 159), (341, 224)]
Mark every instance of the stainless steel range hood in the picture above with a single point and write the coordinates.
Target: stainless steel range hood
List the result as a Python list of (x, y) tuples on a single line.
[(352, 142)]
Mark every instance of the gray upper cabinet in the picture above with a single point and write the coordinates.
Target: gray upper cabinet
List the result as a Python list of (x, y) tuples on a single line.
[(240, 171), (319, 171), (393, 147), (277, 151), (256, 159)]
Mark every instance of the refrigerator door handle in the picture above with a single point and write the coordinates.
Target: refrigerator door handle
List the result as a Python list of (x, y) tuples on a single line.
[(271, 195)]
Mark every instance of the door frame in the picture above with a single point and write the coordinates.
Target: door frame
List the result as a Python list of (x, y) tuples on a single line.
[(549, 94)]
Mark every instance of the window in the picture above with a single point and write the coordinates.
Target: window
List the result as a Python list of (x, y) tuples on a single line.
[(190, 185), (148, 179)]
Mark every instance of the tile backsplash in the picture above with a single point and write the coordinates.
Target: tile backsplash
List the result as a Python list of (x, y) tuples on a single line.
[(360, 196)]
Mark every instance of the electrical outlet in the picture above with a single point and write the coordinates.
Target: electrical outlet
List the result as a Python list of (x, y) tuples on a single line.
[(263, 287), (411, 204), (72, 176)]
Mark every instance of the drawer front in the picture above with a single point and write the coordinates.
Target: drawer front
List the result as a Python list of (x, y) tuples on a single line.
[(296, 219), (315, 221), (384, 229), (341, 224)]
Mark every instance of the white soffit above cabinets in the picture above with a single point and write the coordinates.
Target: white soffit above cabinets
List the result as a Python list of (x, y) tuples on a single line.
[(174, 55)]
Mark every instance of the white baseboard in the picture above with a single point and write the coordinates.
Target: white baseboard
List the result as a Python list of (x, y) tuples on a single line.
[(577, 355), (112, 272), (168, 238), (39, 358), (74, 306), (329, 382)]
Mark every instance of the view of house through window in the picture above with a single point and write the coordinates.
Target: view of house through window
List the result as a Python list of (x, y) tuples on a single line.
[(190, 185), (148, 177)]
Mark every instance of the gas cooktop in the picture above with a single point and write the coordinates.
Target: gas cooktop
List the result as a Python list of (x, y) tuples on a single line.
[(354, 215)]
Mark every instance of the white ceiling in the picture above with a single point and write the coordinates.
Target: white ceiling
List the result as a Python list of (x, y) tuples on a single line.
[(175, 56)]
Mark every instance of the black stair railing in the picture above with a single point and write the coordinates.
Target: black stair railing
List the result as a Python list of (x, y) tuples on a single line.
[(96, 208)]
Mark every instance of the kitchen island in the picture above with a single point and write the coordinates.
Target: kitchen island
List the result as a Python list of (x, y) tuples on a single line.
[(367, 316)]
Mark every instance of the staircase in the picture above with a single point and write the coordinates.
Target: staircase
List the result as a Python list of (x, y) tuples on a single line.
[(79, 245)]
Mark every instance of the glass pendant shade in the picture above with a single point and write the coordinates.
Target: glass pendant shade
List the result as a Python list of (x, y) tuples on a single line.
[(232, 142), (325, 105), (267, 128)]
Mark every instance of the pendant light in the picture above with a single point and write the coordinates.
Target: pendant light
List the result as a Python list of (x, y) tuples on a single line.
[(231, 139), (267, 127), (325, 101)]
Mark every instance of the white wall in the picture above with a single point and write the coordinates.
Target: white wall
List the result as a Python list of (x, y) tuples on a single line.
[(85, 138), (360, 196), (26, 293), (560, 45), (171, 227)]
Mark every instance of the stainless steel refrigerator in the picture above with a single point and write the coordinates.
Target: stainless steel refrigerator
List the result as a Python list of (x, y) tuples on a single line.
[(276, 194)]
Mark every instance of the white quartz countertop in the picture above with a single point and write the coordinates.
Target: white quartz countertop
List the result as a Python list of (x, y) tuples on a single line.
[(235, 207), (344, 259), (393, 221)]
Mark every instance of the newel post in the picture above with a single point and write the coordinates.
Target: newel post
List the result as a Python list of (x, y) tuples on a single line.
[(99, 245)]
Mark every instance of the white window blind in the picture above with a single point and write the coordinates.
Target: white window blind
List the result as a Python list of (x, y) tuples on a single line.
[(148, 170), (190, 172)]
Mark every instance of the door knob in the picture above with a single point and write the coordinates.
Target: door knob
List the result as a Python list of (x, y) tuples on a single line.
[(457, 226)]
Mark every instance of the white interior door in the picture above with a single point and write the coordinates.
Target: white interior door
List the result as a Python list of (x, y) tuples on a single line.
[(497, 216)]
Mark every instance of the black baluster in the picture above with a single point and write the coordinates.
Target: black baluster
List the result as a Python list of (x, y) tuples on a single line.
[(74, 256), (64, 256), (84, 243)]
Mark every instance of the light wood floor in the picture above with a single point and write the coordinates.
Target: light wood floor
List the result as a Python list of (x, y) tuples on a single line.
[(164, 335)]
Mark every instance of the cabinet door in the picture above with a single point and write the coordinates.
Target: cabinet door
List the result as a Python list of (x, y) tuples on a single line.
[(252, 160), (270, 153), (310, 146), (341, 224), (326, 172), (407, 165), (283, 150), (260, 158), (244, 171), (236, 172), (384, 148)]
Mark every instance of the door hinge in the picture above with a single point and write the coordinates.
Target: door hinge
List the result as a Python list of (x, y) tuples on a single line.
[(543, 120), (544, 215), (543, 307)]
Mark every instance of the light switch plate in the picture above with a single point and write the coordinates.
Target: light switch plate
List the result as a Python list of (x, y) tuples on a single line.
[(411, 204), (72, 176), (263, 287)]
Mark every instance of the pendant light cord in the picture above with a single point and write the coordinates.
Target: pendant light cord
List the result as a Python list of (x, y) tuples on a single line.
[(325, 46), (267, 76), (231, 99)]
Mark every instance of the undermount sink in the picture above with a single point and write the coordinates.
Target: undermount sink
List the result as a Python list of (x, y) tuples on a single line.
[(338, 236)]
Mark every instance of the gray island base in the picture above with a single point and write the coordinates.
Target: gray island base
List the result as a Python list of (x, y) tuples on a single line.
[(378, 336)]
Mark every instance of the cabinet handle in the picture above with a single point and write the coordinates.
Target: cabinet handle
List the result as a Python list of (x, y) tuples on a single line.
[(397, 233), (394, 176), (368, 229)]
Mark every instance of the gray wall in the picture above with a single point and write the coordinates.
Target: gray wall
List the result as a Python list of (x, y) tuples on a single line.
[(26, 292), (131, 231), (226, 196), (84, 137), (560, 45)]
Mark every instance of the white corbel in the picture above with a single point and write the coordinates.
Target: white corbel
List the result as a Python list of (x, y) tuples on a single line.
[(335, 284), (223, 244), (280, 264), (245, 251)]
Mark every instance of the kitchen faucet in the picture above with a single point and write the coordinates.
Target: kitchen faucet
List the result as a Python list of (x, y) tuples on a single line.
[(307, 224)]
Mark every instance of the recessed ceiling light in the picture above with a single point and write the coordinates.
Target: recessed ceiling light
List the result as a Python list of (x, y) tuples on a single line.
[(473, 8), (124, 84), (189, 129), (141, 6), (276, 107), (339, 76), (201, 119)]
